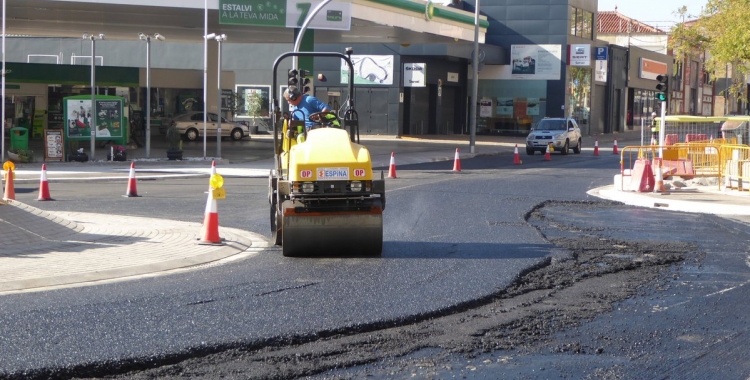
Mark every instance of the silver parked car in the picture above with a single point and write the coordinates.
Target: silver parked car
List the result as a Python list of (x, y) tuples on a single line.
[(190, 126), (563, 133)]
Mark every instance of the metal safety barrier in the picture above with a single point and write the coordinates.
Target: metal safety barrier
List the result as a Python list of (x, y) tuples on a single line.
[(687, 160), (729, 163), (735, 167)]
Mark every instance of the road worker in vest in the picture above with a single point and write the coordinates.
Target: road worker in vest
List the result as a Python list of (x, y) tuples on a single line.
[(654, 129)]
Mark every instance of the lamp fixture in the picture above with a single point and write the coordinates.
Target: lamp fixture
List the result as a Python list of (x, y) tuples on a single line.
[(92, 37), (146, 37)]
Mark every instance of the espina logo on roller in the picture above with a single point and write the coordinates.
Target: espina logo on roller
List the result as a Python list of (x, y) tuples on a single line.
[(429, 10)]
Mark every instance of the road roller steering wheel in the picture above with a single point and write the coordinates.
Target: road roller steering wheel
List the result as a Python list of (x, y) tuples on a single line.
[(320, 117)]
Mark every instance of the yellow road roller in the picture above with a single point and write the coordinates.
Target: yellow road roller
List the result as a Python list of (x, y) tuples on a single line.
[(325, 199)]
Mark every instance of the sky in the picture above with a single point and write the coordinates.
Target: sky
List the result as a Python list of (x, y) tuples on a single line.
[(657, 13)]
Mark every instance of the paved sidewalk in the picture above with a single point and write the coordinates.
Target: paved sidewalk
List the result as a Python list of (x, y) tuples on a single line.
[(693, 198), (76, 248)]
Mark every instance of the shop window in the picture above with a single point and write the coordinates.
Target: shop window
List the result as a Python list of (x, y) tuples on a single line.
[(581, 23), (580, 93), (252, 101), (572, 20)]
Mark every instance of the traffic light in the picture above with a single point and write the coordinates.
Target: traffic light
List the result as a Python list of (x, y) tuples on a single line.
[(662, 87), (293, 77), (304, 81)]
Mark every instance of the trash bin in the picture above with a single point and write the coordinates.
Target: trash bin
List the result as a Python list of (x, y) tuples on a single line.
[(19, 138)]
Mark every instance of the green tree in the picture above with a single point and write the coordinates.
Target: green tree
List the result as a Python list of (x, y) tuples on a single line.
[(722, 32)]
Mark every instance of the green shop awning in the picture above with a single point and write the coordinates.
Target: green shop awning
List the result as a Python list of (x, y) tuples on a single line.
[(71, 74)]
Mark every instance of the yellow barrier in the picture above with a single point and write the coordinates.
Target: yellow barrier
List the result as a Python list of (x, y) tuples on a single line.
[(729, 163), (705, 157), (735, 166)]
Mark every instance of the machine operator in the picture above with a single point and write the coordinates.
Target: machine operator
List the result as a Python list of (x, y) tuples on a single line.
[(307, 105)]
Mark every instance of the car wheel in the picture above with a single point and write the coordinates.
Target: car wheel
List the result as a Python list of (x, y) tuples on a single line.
[(191, 134), (530, 152), (577, 149), (237, 134), (565, 148)]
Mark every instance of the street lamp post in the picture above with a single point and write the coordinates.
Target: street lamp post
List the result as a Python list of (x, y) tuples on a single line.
[(220, 38), (147, 38), (205, 72), (92, 123), (2, 145)]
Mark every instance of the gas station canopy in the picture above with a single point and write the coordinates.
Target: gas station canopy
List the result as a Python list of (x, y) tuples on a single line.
[(372, 21)]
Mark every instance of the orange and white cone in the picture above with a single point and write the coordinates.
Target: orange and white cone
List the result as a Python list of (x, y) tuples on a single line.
[(10, 189), (392, 168), (44, 186), (132, 191), (547, 156), (211, 173), (614, 148), (659, 186), (211, 222), (596, 147), (516, 156), (456, 162)]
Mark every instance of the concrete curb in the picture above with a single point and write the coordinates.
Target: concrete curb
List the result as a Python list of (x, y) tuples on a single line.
[(663, 201)]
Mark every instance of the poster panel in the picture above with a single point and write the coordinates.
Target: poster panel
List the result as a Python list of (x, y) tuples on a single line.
[(53, 145), (109, 118), (107, 123), (505, 106), (415, 74), (369, 69), (536, 62)]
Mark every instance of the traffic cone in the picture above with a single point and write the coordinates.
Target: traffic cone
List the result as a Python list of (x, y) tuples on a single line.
[(10, 190), (547, 156), (132, 191), (211, 222), (392, 169), (211, 173), (456, 162), (596, 147), (659, 186), (614, 148), (516, 157), (44, 186)]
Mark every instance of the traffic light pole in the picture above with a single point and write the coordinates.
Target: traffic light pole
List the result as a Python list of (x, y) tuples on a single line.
[(662, 94), (662, 128)]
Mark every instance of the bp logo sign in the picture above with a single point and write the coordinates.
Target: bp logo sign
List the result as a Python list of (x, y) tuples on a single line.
[(429, 10)]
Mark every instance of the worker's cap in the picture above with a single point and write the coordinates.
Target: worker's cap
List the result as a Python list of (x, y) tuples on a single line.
[(653, 113)]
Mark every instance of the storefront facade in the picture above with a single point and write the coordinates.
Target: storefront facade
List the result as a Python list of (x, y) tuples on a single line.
[(548, 71)]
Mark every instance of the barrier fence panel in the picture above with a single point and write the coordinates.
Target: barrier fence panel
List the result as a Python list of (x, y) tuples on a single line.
[(696, 146), (686, 129), (704, 157), (735, 166)]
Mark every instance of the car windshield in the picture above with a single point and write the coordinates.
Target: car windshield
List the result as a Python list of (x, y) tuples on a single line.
[(551, 125)]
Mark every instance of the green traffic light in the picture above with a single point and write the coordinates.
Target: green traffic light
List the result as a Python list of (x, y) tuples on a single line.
[(661, 96)]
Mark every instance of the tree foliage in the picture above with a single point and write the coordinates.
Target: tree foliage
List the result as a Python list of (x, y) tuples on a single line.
[(722, 32)]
